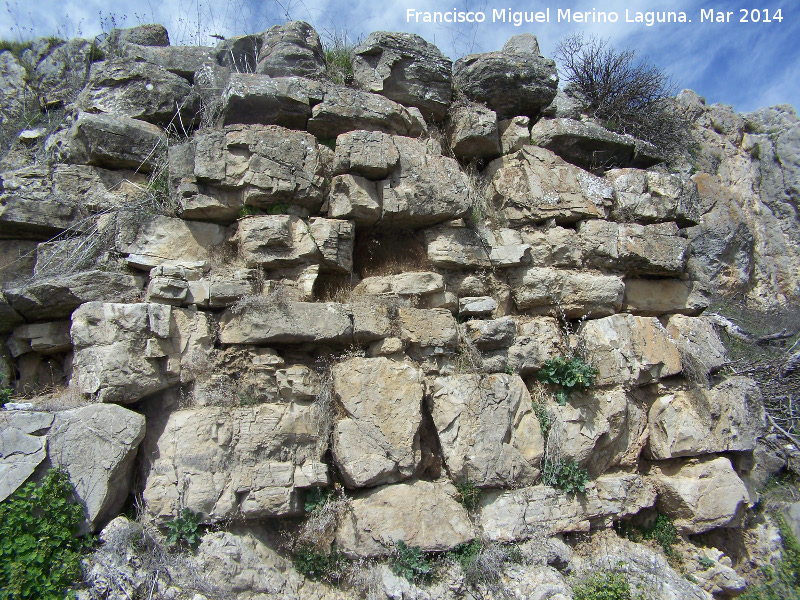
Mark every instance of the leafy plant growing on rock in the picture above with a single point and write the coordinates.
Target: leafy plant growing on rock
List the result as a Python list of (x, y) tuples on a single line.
[(40, 551), (411, 563), (469, 495), (608, 585), (317, 565), (183, 530), (565, 475), (571, 374)]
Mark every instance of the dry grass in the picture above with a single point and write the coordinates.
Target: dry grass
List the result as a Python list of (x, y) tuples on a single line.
[(390, 253)]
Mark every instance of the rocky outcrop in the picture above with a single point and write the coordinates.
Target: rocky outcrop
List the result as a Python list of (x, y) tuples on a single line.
[(291, 49)]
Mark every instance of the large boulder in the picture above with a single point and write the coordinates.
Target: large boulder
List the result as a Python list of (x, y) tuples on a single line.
[(140, 90), (697, 338), (247, 462), (472, 132), (291, 49), (488, 432), (576, 293), (370, 154), (97, 445), (632, 248), (220, 171), (275, 241), (346, 109), (378, 440), (537, 339), (405, 68), (630, 350), (355, 198), (591, 146), (653, 197), (124, 352), (180, 60), (513, 515), (727, 418), (250, 98), (56, 297), (423, 514), (534, 185), (151, 34), (20, 453), (516, 81), (287, 322), (115, 142), (699, 494), (655, 297)]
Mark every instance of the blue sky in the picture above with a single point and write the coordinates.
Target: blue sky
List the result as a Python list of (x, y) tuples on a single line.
[(748, 65)]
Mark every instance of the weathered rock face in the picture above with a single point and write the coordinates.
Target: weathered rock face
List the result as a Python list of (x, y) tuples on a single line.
[(220, 171), (404, 68), (630, 350), (423, 514), (487, 429), (97, 446), (124, 352), (655, 297), (577, 292), (726, 418), (507, 516), (653, 197), (291, 49), (292, 322), (139, 90), (516, 81), (472, 132), (697, 338), (534, 185), (591, 146), (244, 461), (250, 98), (20, 451), (378, 440), (699, 494)]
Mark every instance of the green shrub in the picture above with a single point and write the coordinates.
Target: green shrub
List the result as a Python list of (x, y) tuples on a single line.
[(468, 494), (565, 475), (318, 565), (604, 586), (315, 498), (466, 553), (184, 530), (5, 392), (705, 562), (40, 551), (663, 531), (544, 417), (410, 562), (571, 374)]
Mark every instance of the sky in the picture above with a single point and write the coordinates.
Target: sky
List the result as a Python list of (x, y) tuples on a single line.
[(748, 65)]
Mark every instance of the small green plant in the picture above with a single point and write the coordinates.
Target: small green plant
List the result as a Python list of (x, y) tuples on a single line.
[(544, 417), (318, 565), (279, 208), (705, 562), (571, 374), (509, 370), (339, 61), (466, 553), (316, 498), (608, 585), (663, 531), (410, 562), (5, 392), (16, 48), (565, 475), (249, 211), (40, 551), (469, 495), (183, 530)]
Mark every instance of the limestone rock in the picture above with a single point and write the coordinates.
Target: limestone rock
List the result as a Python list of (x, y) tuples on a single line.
[(491, 334), (602, 429), (180, 60), (9, 318), (275, 241), (421, 283), (220, 171), (488, 432), (355, 198), (428, 330), (456, 247), (346, 109), (291, 49), (423, 514), (537, 340), (378, 440), (371, 154), (577, 293), (697, 337), (289, 322), (534, 185), (142, 35), (124, 352), (699, 495), (590, 146), (158, 240), (479, 306), (20, 454), (632, 248), (250, 98), (516, 81), (514, 134), (139, 90), (507, 516), (244, 461), (44, 338), (335, 239), (56, 297), (655, 297), (727, 418), (563, 106), (653, 197), (115, 142), (472, 132), (97, 445), (630, 350), (553, 247), (405, 68)]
